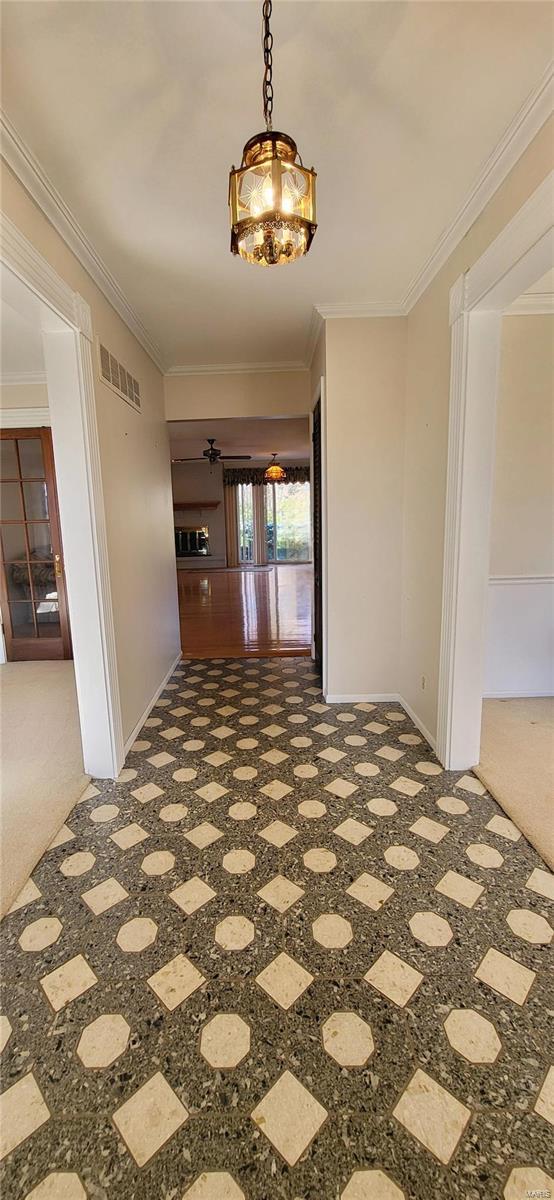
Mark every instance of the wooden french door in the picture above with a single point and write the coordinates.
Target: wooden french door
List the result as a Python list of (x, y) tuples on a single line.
[(32, 582), (316, 536)]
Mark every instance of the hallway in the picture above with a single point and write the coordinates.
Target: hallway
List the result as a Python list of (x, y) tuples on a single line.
[(246, 611), (285, 955)]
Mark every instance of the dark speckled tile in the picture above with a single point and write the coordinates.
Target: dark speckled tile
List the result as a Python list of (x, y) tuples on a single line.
[(327, 1066)]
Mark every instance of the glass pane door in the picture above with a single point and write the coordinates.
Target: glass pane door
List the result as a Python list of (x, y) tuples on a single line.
[(288, 522), (32, 573), (245, 502)]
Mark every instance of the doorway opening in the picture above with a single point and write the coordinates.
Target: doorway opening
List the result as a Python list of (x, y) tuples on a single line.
[(247, 590)]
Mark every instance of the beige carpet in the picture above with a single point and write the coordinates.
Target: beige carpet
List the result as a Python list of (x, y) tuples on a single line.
[(41, 765), (517, 766)]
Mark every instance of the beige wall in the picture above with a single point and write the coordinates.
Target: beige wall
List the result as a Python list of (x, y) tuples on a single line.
[(134, 451), (425, 456), (267, 394), (522, 526), (23, 395), (319, 362), (365, 420)]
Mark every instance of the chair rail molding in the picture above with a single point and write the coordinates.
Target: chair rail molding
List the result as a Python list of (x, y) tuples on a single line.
[(522, 253)]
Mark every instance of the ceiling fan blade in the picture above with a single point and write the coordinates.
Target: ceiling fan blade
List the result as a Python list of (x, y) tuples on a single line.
[(182, 460), (236, 457)]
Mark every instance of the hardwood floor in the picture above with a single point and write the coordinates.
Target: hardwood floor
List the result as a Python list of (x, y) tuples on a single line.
[(242, 613)]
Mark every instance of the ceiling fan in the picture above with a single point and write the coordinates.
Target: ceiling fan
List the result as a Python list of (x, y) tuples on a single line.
[(213, 455)]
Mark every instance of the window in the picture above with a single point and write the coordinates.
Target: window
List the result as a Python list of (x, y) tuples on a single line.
[(245, 505), (288, 522)]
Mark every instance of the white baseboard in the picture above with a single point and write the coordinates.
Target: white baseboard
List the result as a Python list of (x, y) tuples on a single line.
[(518, 696), (132, 737), (365, 698), (419, 724)]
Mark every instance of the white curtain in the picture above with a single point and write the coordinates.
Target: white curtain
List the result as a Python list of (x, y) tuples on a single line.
[(231, 526), (260, 548)]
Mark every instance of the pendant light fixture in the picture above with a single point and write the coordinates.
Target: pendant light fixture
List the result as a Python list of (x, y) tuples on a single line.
[(272, 194), (275, 473)]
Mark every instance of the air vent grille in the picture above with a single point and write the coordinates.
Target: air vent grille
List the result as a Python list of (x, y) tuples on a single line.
[(118, 377)]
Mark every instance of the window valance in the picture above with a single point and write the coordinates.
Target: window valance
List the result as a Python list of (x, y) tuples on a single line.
[(232, 476)]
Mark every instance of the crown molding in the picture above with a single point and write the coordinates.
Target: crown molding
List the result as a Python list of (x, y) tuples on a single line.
[(24, 418), (248, 368), (532, 304), (363, 309), (513, 143), (30, 173), (21, 378)]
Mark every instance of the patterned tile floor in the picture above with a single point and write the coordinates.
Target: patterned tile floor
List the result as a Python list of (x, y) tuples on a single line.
[(287, 956)]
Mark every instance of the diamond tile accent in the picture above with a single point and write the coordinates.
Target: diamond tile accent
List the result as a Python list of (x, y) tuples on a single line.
[(284, 980), (104, 896), (544, 1104), (175, 981), (129, 836), (277, 833), (432, 1115), (394, 978), (372, 1185), (289, 1117), (505, 976), (276, 790), (281, 893), (22, 1111), (203, 835), (353, 831), (431, 830), (459, 888), (370, 891), (211, 791), (342, 788), (149, 1118), (192, 895)]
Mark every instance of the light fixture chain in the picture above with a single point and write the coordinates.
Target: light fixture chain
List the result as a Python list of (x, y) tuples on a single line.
[(267, 86)]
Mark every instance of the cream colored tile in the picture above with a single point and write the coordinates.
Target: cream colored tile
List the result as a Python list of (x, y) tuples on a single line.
[(341, 788), (245, 773), (211, 791), (331, 754), (163, 759), (192, 895), (451, 804), (371, 1185), (430, 929), (128, 836), (544, 1104), (484, 856), (376, 727), (524, 1182), (312, 809), (203, 835), (217, 759), (277, 833), (148, 792), (432, 831), (472, 1035), (324, 729), (172, 813), (28, 894), (276, 789), (77, 864), (5, 1031), (239, 862), (504, 828), (68, 982), (432, 1115), (273, 730), (65, 834), (40, 934), (406, 787), (104, 896), (242, 811), (148, 1120), (347, 1039), (530, 926), (135, 935), (470, 783), (355, 739), (429, 768), (332, 931), (505, 976), (319, 860), (159, 862), (353, 831), (459, 888), (369, 890), (103, 1041), (281, 893), (58, 1185), (382, 807), (234, 932), (284, 980), (175, 981), (214, 1185), (367, 769), (402, 858), (306, 771), (394, 978), (274, 757), (171, 734), (225, 1041), (390, 753), (541, 882), (22, 1111), (186, 774), (289, 1117)]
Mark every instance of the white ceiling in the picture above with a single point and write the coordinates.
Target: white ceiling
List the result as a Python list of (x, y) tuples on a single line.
[(289, 437), (137, 110), (20, 346), (544, 286)]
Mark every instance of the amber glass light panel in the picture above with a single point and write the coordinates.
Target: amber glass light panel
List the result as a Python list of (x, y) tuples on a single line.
[(272, 202)]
